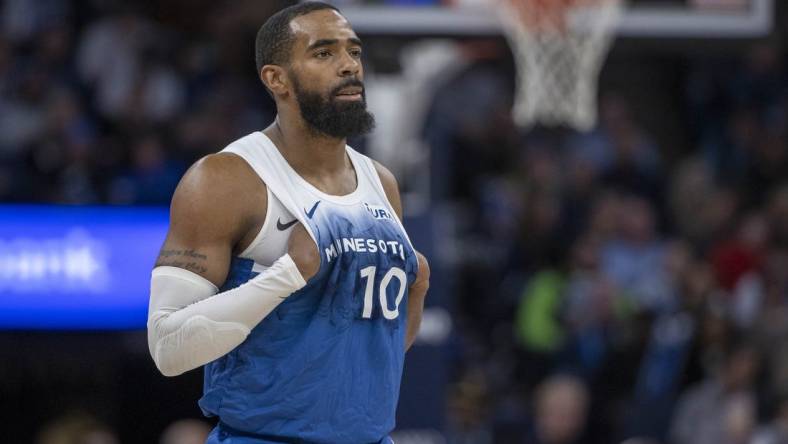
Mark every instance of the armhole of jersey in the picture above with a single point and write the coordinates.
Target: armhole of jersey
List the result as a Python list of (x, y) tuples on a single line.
[(260, 153), (262, 234), (382, 191), (267, 221)]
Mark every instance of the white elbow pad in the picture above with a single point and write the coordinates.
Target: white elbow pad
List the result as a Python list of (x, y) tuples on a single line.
[(190, 325), (198, 341)]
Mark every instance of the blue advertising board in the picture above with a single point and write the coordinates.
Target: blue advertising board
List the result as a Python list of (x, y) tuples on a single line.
[(64, 267)]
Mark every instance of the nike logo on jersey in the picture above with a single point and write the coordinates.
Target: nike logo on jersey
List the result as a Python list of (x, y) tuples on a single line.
[(283, 227), (311, 212)]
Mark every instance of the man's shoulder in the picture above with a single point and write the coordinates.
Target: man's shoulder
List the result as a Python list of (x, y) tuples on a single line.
[(387, 178), (230, 160), (220, 169), (221, 179), (218, 196), (389, 183)]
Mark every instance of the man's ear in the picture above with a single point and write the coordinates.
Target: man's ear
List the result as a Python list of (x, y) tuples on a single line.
[(275, 79)]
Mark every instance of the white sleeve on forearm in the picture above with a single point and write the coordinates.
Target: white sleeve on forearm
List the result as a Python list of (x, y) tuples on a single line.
[(190, 325)]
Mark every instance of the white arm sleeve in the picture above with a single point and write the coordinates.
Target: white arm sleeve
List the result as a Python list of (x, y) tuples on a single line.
[(190, 325)]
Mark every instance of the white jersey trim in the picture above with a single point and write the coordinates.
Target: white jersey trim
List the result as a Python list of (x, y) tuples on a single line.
[(262, 234)]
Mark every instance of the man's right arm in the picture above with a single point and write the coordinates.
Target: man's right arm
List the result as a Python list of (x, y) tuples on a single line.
[(209, 214), (189, 322)]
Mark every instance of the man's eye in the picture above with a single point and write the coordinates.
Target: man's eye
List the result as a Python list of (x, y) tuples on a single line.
[(322, 54), (355, 52)]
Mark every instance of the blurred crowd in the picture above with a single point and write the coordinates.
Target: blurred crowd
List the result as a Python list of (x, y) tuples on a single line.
[(103, 101), (605, 292), (82, 428)]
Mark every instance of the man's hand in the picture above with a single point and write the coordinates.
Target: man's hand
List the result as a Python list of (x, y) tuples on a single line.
[(416, 295), (303, 250)]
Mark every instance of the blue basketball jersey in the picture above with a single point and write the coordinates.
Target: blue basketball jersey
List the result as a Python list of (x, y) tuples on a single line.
[(326, 365)]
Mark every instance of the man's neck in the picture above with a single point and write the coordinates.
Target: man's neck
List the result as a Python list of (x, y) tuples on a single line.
[(310, 153)]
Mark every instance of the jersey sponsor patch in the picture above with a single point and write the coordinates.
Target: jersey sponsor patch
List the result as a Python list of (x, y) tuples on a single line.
[(378, 211)]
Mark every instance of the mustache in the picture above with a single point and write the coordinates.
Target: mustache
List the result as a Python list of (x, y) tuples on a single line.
[(347, 83)]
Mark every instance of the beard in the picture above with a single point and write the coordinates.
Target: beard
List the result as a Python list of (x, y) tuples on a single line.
[(332, 117)]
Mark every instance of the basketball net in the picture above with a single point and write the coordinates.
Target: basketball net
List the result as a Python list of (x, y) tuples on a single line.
[(559, 47)]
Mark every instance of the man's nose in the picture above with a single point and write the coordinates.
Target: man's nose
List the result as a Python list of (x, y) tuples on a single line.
[(349, 66)]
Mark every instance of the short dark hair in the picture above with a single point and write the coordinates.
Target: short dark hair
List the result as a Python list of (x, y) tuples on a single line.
[(275, 39)]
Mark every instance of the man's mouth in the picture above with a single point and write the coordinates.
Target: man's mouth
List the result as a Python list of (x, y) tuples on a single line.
[(350, 93)]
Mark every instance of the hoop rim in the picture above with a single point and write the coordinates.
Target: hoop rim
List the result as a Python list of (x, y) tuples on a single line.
[(547, 15)]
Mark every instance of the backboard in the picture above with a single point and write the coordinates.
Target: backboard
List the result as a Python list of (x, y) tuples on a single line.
[(642, 18)]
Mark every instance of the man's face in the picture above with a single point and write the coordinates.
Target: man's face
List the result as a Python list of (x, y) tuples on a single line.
[(327, 75)]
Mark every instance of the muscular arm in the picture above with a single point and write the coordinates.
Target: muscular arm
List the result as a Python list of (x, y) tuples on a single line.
[(418, 290), (216, 204), (215, 207)]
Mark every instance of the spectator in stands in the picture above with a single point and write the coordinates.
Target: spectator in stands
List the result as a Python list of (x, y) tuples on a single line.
[(185, 431), (721, 409), (76, 428), (776, 431), (635, 258), (151, 178), (560, 411)]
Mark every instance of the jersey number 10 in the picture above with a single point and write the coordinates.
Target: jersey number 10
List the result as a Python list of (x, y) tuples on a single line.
[(369, 274)]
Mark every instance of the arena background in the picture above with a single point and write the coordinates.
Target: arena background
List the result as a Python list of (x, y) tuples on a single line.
[(628, 282)]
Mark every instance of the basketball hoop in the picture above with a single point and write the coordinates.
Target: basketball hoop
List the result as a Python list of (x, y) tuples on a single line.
[(559, 47)]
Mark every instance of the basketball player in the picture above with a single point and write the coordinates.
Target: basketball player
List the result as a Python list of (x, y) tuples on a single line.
[(286, 271)]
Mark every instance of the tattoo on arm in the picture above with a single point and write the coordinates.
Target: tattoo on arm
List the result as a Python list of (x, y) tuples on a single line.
[(186, 259)]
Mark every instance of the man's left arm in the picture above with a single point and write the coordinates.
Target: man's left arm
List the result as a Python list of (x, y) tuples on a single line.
[(418, 289)]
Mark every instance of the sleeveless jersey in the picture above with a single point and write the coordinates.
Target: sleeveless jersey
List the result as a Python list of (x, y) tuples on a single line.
[(326, 365)]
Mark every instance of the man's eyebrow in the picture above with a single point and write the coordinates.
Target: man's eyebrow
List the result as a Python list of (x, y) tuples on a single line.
[(330, 42), (322, 42)]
